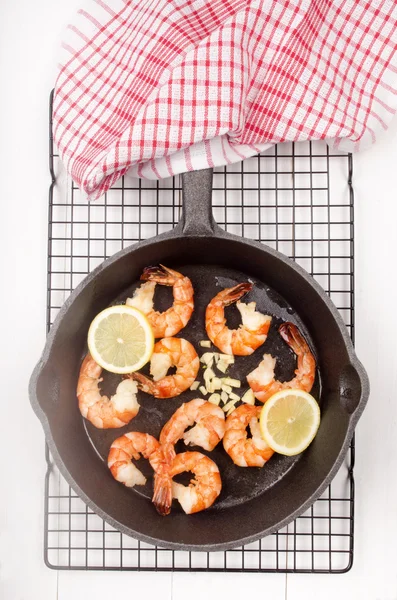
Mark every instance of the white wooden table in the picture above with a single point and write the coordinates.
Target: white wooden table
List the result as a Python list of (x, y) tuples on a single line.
[(29, 39)]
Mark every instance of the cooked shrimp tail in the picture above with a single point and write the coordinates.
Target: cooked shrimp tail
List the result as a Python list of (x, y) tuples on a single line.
[(144, 383), (236, 293), (161, 274), (293, 337), (162, 494)]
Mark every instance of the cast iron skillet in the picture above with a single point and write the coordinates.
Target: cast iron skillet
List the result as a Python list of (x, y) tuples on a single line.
[(254, 502)]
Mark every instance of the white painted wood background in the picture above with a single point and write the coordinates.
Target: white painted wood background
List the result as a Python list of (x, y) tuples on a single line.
[(29, 40)]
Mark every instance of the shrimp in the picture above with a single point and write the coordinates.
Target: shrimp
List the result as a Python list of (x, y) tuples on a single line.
[(101, 411), (123, 450), (168, 352), (251, 334), (207, 432), (202, 491), (261, 379), (245, 452), (171, 321)]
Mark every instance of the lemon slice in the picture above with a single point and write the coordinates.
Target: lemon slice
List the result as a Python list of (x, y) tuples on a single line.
[(121, 339), (289, 421)]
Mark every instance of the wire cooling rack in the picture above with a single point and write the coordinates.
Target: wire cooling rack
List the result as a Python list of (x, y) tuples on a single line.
[(297, 198)]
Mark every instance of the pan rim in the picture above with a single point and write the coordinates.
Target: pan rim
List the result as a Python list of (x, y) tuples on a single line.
[(353, 418)]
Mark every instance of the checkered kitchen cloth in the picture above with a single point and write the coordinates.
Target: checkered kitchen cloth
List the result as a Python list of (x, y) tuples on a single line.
[(159, 87)]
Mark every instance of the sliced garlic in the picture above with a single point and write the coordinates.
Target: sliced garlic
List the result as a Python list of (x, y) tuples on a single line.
[(224, 397), (248, 397), (228, 358), (217, 383), (234, 397), (203, 390), (215, 399), (233, 382), (208, 375), (205, 344), (195, 386), (207, 357), (210, 363), (222, 366), (229, 405), (227, 388)]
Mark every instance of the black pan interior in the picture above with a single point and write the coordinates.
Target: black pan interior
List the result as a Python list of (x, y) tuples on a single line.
[(239, 484)]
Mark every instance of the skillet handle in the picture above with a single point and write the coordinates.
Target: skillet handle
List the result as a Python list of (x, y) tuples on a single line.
[(44, 391), (197, 218), (354, 389)]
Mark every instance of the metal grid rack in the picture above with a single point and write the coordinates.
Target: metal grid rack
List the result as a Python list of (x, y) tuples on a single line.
[(297, 198)]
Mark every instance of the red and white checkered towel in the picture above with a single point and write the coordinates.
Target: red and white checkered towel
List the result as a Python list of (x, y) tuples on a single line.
[(159, 87)]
